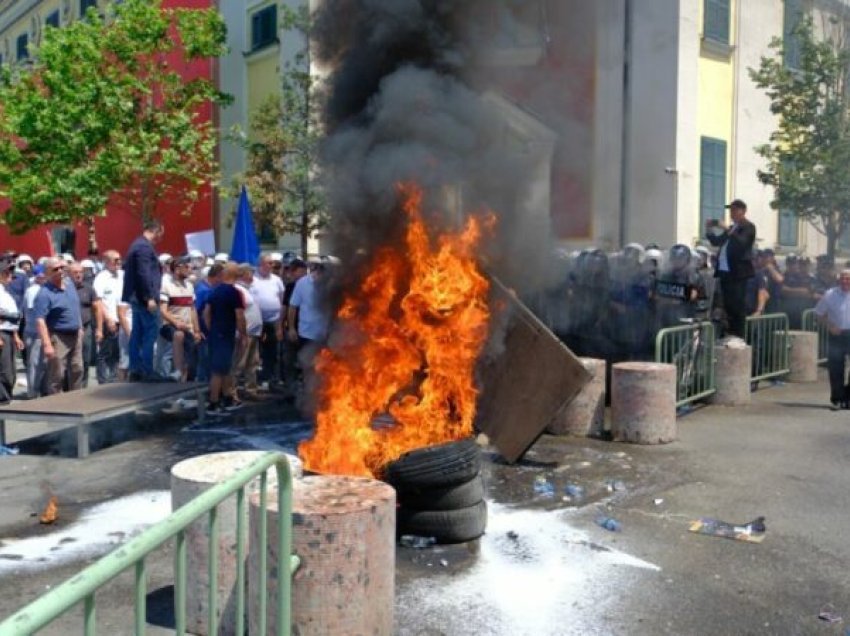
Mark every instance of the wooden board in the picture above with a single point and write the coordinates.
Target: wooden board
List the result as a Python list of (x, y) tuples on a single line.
[(528, 382)]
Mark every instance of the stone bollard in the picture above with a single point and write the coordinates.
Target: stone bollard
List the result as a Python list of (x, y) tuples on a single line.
[(190, 478), (343, 530), (585, 415), (803, 356), (643, 402), (732, 372)]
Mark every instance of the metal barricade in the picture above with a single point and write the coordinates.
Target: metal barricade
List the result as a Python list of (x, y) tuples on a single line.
[(83, 586), (691, 348), (812, 323), (768, 337)]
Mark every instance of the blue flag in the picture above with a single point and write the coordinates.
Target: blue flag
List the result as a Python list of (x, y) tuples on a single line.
[(246, 247)]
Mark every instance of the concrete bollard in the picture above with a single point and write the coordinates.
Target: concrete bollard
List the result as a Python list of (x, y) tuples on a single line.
[(585, 415), (732, 372), (803, 356), (343, 530), (643, 402), (190, 478)]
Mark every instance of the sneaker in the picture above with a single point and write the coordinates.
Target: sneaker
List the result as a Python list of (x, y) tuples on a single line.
[(229, 404), (214, 409), (176, 376), (834, 406)]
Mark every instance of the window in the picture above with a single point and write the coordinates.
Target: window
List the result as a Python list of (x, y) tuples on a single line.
[(712, 182), (791, 18), (22, 47), (264, 27), (52, 20), (716, 20), (85, 4), (789, 228)]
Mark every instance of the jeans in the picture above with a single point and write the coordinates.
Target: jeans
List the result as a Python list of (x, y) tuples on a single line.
[(839, 347), (36, 368), (142, 339)]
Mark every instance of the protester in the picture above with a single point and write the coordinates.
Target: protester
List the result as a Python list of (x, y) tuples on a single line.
[(797, 293), (202, 292), (141, 290), (268, 290), (180, 320), (308, 320), (108, 285), (247, 357), (734, 262), (89, 310), (10, 341), (834, 310), (57, 312), (293, 272), (224, 315), (35, 362)]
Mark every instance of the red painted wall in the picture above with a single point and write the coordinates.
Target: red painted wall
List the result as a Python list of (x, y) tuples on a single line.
[(120, 226)]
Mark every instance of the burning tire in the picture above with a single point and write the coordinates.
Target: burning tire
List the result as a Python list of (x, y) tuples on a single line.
[(446, 526), (447, 498), (437, 466)]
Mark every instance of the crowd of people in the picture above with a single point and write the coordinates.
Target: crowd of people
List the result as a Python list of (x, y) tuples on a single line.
[(153, 317)]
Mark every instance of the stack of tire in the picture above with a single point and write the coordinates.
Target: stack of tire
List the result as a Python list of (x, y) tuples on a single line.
[(440, 492)]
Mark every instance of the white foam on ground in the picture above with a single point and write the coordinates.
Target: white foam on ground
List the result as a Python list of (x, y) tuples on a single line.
[(529, 585), (96, 532)]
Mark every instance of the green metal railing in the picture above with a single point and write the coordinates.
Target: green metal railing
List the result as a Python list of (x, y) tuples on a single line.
[(768, 337), (691, 348), (83, 586), (812, 323)]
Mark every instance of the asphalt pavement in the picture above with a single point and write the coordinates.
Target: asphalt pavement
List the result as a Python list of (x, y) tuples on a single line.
[(545, 566)]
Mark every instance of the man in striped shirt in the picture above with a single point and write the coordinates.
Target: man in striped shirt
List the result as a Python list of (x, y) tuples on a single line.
[(834, 309), (180, 320)]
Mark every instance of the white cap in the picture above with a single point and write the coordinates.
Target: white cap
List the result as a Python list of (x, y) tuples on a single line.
[(205, 271), (164, 258), (276, 257), (87, 263), (23, 258), (67, 258), (221, 257), (196, 254), (210, 262)]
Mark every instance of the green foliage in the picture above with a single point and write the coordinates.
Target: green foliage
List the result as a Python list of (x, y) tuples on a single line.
[(282, 173), (809, 152), (103, 111)]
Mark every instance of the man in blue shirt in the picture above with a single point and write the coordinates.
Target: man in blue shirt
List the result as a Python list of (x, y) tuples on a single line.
[(224, 316), (60, 328), (203, 289), (142, 284)]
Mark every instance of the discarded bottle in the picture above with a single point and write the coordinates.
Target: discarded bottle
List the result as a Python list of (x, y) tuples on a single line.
[(8, 450), (615, 485), (543, 487), (574, 490), (417, 542), (609, 523)]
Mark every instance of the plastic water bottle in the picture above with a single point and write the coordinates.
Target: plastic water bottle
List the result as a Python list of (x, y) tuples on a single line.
[(543, 487), (8, 450), (417, 542), (574, 490), (609, 523)]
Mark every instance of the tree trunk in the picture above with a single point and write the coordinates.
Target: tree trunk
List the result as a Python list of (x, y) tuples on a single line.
[(305, 226), (92, 237), (832, 233)]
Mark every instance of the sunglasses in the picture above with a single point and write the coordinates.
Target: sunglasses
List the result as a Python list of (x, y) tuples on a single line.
[(57, 268)]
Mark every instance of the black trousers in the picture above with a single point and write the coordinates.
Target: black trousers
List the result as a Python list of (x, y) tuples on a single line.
[(107, 357), (734, 291), (839, 347), (269, 355), (7, 362)]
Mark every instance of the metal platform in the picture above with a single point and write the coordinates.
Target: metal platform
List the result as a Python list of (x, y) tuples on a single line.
[(87, 406)]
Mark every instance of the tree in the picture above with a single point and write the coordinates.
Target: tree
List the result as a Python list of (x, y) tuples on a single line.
[(104, 111), (809, 152), (282, 174)]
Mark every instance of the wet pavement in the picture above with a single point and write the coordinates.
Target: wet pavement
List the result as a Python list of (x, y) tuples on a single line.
[(545, 566)]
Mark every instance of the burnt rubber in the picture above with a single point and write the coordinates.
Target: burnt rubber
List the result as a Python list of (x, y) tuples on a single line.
[(436, 466), (446, 526), (447, 498)]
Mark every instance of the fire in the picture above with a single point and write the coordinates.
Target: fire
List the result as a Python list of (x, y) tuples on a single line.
[(407, 344), (51, 511)]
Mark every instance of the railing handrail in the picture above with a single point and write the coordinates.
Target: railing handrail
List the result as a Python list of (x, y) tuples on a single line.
[(695, 371), (774, 357), (53, 604)]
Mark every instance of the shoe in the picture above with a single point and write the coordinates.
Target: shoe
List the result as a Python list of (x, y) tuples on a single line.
[(845, 405), (214, 409), (134, 376), (176, 376), (157, 377), (229, 404), (835, 406)]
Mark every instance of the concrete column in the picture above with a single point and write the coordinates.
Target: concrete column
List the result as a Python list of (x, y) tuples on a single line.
[(643, 402), (190, 478), (585, 415), (803, 356), (343, 530), (732, 372)]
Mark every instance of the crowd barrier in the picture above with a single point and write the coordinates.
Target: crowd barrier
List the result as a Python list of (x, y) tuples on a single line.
[(811, 323), (769, 339), (83, 586), (690, 348)]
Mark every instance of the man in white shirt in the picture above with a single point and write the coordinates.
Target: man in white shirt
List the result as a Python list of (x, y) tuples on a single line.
[(247, 357), (10, 341), (36, 364), (834, 310), (268, 290), (108, 285), (308, 319)]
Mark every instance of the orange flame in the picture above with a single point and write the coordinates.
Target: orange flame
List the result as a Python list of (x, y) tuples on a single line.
[(51, 511), (407, 344)]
